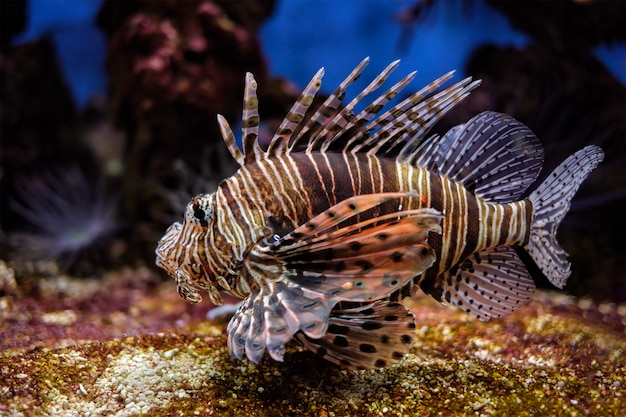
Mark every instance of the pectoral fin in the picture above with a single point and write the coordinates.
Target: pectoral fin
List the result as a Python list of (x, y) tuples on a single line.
[(357, 262), (367, 337), (269, 317)]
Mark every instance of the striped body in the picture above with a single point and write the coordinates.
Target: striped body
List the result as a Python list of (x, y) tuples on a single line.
[(297, 187), (345, 214)]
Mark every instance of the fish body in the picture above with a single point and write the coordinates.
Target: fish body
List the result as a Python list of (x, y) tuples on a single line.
[(346, 214)]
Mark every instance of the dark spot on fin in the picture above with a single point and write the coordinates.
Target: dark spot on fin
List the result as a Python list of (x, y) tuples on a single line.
[(488, 284), (381, 337), (346, 261)]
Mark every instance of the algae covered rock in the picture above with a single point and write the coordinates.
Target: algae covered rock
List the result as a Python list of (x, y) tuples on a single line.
[(149, 353)]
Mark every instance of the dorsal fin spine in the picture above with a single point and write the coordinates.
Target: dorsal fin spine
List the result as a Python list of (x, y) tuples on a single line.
[(399, 129), (373, 109), (250, 122), (413, 121), (394, 117), (229, 139), (294, 118), (346, 115), (329, 108), (409, 102)]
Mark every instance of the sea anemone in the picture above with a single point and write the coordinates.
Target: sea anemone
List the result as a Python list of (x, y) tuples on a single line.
[(67, 217)]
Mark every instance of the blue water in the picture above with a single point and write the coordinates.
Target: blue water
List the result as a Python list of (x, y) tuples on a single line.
[(304, 35), (80, 45)]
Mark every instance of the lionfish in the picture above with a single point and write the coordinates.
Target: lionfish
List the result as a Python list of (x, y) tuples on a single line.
[(345, 214)]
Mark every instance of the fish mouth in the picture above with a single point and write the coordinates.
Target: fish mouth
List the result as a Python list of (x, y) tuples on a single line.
[(166, 264), (186, 289), (165, 250)]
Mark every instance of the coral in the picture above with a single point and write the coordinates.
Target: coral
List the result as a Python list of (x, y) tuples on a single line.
[(174, 65)]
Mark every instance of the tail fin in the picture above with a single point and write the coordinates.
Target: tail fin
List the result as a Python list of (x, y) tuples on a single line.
[(551, 200)]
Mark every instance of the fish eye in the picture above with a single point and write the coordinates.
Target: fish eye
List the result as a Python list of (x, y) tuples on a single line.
[(200, 210)]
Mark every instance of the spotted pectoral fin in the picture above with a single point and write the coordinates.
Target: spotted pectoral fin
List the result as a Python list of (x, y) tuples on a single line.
[(366, 337), (364, 266), (492, 283), (270, 316), (358, 262)]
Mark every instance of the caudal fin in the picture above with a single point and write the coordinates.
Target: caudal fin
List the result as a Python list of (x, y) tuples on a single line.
[(551, 201)]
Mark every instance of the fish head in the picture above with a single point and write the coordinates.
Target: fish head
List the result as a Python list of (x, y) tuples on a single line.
[(185, 251)]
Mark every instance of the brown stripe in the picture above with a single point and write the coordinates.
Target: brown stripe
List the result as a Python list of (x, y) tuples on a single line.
[(451, 227), (505, 224), (344, 187), (490, 220), (473, 225)]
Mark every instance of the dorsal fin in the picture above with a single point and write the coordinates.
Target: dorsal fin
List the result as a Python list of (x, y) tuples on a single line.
[(493, 155), (368, 114), (401, 127), (342, 120), (374, 108), (414, 117), (329, 108), (294, 118), (229, 139)]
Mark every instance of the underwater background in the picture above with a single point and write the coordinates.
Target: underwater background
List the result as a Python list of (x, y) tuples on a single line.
[(108, 127), (118, 100)]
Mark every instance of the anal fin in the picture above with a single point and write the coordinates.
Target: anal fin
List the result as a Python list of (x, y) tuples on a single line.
[(489, 284), (372, 336)]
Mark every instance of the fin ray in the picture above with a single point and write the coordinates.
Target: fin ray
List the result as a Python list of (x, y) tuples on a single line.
[(250, 122), (343, 119), (328, 108), (367, 114), (493, 155), (367, 337), (551, 201), (414, 117), (295, 117), (488, 284), (229, 139)]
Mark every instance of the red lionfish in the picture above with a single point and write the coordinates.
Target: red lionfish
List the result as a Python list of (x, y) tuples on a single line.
[(344, 215)]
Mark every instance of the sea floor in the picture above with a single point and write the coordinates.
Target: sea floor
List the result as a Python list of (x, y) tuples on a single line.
[(125, 344)]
